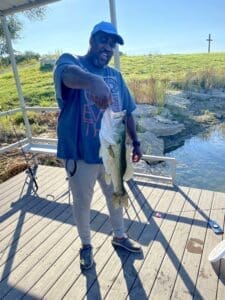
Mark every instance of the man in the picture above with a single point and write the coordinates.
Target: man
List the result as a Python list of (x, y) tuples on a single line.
[(85, 87)]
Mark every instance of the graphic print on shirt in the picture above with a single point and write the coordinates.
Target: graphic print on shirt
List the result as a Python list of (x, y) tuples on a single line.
[(92, 115), (113, 85)]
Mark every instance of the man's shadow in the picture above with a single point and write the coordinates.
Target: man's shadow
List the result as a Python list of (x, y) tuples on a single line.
[(91, 276), (129, 272)]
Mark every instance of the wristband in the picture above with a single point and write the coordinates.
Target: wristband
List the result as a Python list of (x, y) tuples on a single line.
[(136, 144)]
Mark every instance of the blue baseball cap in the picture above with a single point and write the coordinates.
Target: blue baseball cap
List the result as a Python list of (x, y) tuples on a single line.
[(107, 28)]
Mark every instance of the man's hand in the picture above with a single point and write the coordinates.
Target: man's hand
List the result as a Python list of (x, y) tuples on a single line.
[(100, 93), (136, 154), (76, 78)]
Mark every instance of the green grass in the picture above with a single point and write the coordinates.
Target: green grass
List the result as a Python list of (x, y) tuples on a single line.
[(178, 70), (37, 87), (172, 67)]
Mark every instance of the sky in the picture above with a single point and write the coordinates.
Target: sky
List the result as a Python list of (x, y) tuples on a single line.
[(147, 26)]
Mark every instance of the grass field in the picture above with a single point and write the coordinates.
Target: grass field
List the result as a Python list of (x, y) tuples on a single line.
[(141, 72)]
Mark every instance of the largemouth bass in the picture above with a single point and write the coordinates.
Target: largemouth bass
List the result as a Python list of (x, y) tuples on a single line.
[(116, 154)]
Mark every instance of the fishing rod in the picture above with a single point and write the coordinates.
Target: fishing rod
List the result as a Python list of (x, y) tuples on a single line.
[(29, 170)]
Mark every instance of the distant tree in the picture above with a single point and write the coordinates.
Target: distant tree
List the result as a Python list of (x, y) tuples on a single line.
[(121, 53), (16, 26)]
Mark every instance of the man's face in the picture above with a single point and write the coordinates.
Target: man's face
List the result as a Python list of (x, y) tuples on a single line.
[(102, 46)]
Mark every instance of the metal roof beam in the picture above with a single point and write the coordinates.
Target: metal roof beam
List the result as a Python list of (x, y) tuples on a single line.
[(11, 7)]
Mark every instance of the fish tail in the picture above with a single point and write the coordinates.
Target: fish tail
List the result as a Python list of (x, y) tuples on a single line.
[(120, 200)]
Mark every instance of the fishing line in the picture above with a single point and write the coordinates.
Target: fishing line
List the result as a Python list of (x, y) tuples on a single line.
[(29, 170)]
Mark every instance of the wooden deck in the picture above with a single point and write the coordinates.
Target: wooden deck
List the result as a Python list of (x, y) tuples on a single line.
[(39, 245)]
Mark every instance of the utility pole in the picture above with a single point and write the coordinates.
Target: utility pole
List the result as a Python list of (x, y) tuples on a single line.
[(209, 40)]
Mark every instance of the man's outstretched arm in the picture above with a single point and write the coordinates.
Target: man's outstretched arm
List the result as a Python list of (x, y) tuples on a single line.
[(75, 78)]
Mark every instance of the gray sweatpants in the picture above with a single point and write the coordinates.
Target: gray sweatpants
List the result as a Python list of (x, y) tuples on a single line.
[(82, 179)]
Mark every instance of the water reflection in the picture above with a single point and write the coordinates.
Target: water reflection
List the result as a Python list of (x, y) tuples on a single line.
[(201, 160)]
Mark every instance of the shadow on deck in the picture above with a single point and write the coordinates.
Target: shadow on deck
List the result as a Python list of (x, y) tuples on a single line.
[(40, 248)]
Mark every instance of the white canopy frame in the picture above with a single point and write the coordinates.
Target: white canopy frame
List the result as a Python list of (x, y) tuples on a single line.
[(17, 79)]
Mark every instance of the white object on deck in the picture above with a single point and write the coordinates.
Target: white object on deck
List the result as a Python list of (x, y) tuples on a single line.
[(218, 252)]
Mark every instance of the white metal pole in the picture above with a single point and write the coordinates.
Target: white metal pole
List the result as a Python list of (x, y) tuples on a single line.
[(112, 6), (16, 77)]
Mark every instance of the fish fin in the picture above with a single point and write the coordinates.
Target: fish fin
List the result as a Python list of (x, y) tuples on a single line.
[(111, 152), (120, 200), (107, 178), (124, 200), (129, 172), (116, 200)]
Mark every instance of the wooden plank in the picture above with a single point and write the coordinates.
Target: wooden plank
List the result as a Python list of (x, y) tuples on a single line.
[(42, 208), (187, 277), (171, 263), (154, 254), (31, 203), (28, 216), (66, 268), (18, 252), (63, 283), (219, 201), (42, 266), (41, 227), (69, 277), (120, 261), (13, 192), (20, 262), (120, 287), (32, 242), (19, 191), (207, 279), (11, 182), (18, 180), (42, 259)]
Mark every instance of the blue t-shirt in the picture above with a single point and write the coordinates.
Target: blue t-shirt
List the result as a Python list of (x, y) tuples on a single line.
[(80, 119)]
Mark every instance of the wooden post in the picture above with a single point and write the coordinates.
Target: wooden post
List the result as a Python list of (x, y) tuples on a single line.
[(209, 40)]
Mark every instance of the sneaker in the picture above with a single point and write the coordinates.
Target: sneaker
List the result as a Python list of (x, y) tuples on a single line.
[(86, 257), (127, 244)]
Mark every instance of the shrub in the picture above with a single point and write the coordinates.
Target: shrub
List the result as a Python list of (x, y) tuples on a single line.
[(47, 63), (149, 91), (203, 80), (20, 58)]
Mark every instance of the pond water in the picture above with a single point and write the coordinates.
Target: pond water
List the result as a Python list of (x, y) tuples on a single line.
[(201, 160)]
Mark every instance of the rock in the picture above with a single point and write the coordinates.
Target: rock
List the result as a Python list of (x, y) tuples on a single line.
[(159, 128), (159, 169), (145, 110), (219, 116), (150, 144), (164, 120), (165, 112), (177, 101)]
